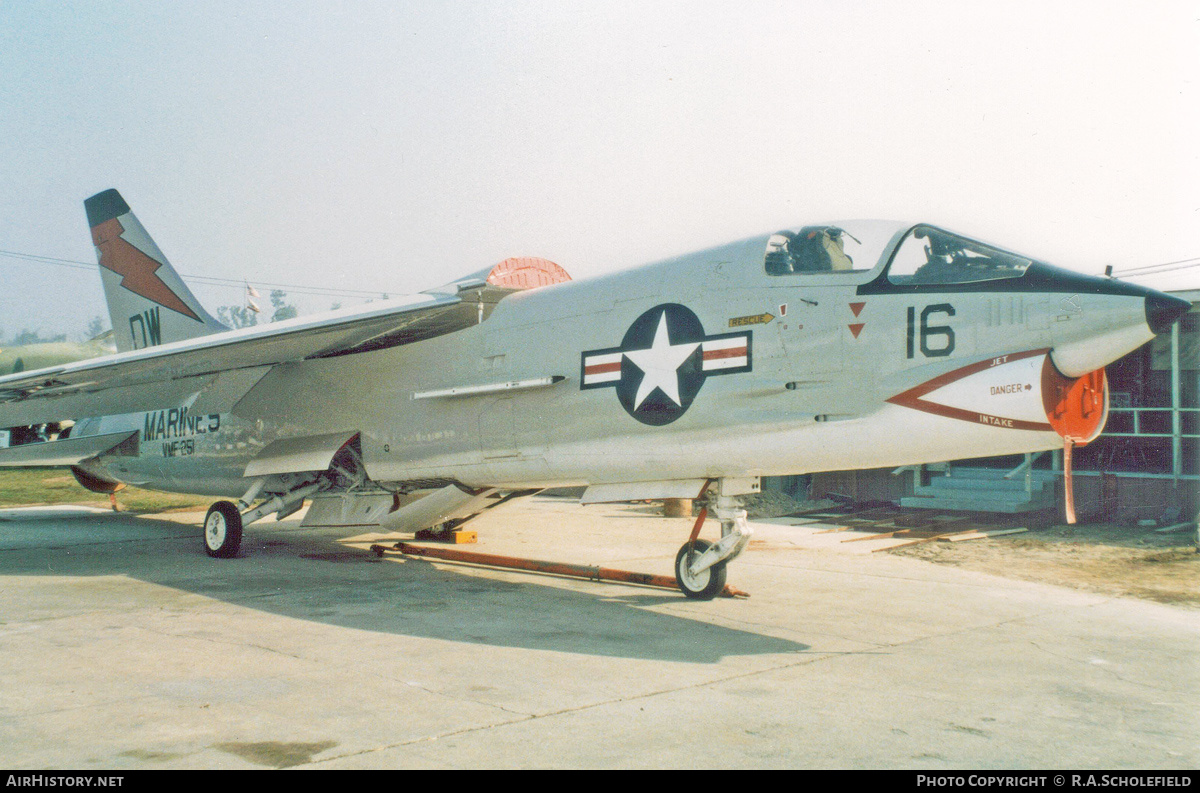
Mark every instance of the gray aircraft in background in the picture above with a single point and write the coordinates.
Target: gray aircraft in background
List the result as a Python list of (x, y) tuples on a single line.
[(830, 346)]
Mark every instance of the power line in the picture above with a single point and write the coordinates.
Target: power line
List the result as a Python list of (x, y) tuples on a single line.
[(306, 289), (1139, 272), (207, 280), (1183, 264), (1164, 264), (49, 260)]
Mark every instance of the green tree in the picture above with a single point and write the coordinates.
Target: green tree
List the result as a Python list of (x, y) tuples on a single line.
[(27, 336), (95, 327), (283, 309), (237, 316)]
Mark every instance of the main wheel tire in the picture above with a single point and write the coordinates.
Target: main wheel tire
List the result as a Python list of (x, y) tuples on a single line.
[(707, 584), (222, 530)]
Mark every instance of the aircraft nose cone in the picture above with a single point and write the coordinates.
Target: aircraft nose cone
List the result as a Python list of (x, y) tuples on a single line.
[(1162, 311)]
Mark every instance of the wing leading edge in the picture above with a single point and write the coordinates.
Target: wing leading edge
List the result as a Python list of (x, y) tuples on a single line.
[(153, 377)]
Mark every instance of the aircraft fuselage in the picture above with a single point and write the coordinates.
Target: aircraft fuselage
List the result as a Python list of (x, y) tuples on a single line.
[(707, 365)]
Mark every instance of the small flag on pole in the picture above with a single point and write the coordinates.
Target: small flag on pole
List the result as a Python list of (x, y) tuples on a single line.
[(251, 292)]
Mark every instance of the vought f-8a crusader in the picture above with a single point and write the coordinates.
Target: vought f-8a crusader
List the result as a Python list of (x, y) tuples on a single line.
[(829, 346)]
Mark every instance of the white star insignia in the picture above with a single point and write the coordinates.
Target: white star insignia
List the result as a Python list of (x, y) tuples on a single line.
[(660, 364)]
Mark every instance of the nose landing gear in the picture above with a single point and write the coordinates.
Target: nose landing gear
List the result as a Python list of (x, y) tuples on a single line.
[(700, 565), (702, 584)]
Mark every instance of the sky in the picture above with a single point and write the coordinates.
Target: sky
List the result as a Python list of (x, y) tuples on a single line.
[(395, 146)]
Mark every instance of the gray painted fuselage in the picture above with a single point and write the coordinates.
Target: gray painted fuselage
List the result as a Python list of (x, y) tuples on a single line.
[(813, 400)]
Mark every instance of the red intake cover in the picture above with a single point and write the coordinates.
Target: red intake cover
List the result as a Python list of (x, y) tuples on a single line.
[(1077, 407)]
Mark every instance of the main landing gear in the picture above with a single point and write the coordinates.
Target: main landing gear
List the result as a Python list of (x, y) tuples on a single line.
[(224, 521), (700, 564)]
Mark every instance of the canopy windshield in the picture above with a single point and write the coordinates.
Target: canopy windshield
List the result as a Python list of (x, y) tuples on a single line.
[(928, 255)]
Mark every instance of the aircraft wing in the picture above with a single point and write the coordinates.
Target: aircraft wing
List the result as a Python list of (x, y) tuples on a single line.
[(231, 362)]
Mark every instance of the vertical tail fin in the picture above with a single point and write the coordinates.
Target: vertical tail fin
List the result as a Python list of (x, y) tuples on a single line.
[(147, 300)]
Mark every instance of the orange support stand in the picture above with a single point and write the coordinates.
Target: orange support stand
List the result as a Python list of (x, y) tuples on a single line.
[(589, 572), (1068, 480), (703, 513), (1077, 409)]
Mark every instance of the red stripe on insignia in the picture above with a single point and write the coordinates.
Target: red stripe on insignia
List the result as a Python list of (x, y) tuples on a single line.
[(602, 368), (732, 352)]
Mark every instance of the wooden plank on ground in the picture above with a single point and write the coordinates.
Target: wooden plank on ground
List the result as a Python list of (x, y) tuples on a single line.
[(918, 540), (882, 536), (982, 535)]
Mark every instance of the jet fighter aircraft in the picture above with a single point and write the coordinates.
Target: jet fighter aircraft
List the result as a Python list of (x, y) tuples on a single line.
[(828, 346), (39, 355)]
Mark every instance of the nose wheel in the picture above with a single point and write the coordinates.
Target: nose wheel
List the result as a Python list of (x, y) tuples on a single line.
[(700, 564), (704, 585)]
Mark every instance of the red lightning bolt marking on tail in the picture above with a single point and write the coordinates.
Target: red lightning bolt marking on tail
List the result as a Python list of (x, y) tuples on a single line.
[(136, 268)]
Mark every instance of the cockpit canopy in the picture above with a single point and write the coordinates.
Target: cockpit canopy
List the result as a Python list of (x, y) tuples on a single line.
[(842, 247), (812, 249), (928, 255), (919, 255)]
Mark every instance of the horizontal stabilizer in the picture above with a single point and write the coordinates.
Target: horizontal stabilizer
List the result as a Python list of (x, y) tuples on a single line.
[(65, 452)]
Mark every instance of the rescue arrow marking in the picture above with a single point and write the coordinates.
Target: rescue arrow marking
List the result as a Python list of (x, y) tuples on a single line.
[(754, 319)]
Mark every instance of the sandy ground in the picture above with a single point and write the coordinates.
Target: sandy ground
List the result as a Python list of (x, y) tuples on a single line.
[(1104, 558)]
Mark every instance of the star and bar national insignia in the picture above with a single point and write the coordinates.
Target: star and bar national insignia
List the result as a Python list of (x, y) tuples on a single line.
[(663, 362)]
